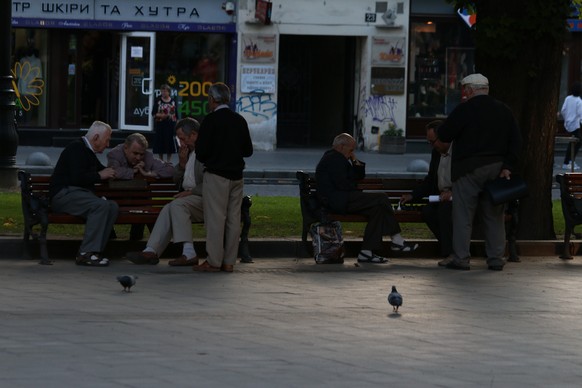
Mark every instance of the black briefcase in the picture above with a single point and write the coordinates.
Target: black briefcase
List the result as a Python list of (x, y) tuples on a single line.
[(501, 190)]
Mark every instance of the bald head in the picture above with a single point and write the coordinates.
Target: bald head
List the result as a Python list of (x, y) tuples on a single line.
[(345, 144)]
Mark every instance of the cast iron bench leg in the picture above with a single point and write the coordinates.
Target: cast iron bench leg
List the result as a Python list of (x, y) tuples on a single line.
[(511, 235), (245, 215)]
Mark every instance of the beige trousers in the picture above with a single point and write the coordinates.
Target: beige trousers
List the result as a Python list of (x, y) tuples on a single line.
[(222, 202)]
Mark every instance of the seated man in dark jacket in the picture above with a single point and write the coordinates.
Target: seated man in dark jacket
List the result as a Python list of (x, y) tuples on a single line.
[(337, 174), (438, 214), (72, 191)]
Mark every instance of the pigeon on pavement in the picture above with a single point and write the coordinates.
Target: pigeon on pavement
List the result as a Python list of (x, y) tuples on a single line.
[(127, 281), (395, 299)]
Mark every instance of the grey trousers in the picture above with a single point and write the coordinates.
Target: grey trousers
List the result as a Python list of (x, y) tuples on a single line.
[(468, 195), (175, 222), (222, 202), (99, 214)]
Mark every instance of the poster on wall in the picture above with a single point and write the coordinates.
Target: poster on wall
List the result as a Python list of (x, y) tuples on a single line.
[(258, 48), (387, 81), (388, 51), (257, 79)]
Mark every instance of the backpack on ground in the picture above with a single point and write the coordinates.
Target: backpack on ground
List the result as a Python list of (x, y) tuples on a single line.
[(328, 243)]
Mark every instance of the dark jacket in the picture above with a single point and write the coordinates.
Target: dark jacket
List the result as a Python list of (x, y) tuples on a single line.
[(223, 141), (336, 177), (430, 184), (484, 132), (77, 166)]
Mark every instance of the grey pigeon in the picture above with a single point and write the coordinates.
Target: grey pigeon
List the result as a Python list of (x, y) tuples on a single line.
[(127, 281), (395, 299)]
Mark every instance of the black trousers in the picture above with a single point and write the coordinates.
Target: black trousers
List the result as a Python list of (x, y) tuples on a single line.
[(439, 219), (378, 209)]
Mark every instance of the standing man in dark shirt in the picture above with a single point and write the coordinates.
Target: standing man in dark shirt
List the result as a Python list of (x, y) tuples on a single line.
[(487, 143), (72, 191), (224, 140)]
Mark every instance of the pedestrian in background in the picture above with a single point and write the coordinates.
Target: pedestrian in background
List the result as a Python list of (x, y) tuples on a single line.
[(164, 112), (572, 115), (223, 142), (487, 143)]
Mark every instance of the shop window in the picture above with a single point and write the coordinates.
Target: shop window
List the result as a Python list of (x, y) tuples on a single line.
[(442, 54), (29, 64), (189, 64)]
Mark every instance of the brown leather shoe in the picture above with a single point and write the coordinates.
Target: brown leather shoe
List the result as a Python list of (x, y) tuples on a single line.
[(205, 267), (227, 267), (143, 258), (182, 261)]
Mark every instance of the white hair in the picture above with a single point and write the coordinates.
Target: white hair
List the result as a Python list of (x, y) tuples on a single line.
[(98, 128), (219, 93)]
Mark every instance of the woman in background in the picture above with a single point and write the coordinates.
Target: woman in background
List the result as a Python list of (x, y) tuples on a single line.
[(164, 113)]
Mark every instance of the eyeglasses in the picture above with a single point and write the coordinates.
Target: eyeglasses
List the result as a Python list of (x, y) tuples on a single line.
[(431, 142)]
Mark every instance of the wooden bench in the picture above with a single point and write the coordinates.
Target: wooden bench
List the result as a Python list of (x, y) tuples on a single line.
[(571, 198), (312, 211), (140, 201)]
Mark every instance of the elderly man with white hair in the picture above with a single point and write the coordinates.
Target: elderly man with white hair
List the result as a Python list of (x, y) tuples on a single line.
[(487, 144), (72, 191)]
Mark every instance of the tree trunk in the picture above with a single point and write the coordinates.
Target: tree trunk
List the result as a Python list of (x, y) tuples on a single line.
[(519, 48)]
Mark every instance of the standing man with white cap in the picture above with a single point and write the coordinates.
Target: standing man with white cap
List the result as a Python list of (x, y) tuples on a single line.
[(487, 145)]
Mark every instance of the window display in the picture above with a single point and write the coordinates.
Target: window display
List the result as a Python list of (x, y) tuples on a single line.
[(189, 64), (28, 69), (441, 55)]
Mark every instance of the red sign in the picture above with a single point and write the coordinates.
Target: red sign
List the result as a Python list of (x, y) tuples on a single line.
[(263, 11)]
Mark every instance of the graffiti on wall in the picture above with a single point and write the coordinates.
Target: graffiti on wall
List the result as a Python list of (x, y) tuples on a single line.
[(257, 104), (27, 84), (380, 108)]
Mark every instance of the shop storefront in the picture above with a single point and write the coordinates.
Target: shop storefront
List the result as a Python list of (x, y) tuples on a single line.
[(88, 60), (441, 55), (332, 66)]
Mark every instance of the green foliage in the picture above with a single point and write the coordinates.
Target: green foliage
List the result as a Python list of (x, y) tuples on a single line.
[(393, 131), (272, 217)]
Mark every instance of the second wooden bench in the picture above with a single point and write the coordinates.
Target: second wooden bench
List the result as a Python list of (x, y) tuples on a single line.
[(394, 188)]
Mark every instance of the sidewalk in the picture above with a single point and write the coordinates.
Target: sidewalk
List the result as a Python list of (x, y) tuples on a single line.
[(273, 172), (281, 163), (284, 321), (287, 324)]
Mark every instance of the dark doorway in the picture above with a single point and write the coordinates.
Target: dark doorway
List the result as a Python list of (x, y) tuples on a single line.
[(315, 96), (97, 50), (84, 74)]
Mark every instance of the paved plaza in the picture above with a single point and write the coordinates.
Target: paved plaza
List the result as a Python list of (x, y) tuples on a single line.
[(288, 323)]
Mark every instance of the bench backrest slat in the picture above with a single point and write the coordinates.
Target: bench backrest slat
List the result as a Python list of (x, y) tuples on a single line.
[(149, 192), (393, 187)]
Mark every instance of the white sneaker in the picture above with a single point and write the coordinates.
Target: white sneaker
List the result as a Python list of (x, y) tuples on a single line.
[(569, 166)]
